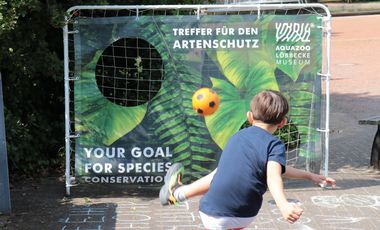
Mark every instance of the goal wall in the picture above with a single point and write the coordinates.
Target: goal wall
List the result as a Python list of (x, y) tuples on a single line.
[(131, 71)]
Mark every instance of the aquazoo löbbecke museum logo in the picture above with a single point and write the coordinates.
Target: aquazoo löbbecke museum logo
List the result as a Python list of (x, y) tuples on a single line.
[(293, 43)]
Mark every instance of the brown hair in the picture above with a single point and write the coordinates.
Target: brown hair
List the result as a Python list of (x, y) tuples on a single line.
[(269, 106)]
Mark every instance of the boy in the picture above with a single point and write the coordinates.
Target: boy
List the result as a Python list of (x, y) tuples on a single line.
[(252, 161)]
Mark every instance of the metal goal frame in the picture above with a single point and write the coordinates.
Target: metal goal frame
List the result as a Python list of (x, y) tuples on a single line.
[(195, 10)]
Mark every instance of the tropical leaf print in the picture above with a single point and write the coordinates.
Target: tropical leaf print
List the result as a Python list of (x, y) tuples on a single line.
[(245, 81), (177, 125), (98, 119), (246, 72), (196, 141), (230, 115), (304, 98)]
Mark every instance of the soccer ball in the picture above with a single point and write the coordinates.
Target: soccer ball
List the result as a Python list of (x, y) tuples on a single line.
[(205, 101)]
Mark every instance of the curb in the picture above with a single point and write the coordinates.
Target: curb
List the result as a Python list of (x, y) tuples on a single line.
[(351, 9)]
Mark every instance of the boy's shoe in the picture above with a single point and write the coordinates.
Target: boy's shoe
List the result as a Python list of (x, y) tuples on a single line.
[(172, 180)]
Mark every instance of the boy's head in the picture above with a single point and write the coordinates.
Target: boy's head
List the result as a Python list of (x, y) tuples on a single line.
[(269, 107)]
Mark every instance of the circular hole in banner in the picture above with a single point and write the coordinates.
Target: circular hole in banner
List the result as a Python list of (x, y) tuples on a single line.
[(129, 72)]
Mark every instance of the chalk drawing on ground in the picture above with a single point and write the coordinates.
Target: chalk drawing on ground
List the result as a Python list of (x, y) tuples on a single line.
[(328, 219), (301, 224), (351, 200), (86, 216)]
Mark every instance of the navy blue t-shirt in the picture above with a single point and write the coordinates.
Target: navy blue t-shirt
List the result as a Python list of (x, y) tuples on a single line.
[(240, 180)]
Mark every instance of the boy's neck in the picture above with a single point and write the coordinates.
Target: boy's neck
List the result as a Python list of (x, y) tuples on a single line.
[(268, 127)]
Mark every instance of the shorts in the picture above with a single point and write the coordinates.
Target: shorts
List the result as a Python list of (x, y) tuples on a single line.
[(225, 222)]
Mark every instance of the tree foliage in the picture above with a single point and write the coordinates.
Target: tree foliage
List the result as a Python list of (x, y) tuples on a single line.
[(31, 57)]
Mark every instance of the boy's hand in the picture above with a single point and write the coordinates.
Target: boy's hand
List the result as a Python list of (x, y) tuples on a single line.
[(291, 212), (323, 181)]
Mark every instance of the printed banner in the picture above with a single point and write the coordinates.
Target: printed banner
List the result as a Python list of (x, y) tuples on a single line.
[(133, 101)]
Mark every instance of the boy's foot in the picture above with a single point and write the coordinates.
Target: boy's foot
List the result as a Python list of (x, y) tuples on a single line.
[(172, 180)]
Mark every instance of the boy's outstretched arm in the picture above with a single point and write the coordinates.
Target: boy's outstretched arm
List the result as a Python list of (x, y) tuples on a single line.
[(301, 174), (291, 212)]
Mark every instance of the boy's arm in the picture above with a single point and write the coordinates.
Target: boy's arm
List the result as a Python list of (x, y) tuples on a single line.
[(301, 174), (291, 212)]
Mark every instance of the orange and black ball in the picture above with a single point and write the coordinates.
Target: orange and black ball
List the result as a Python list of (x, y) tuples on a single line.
[(205, 101)]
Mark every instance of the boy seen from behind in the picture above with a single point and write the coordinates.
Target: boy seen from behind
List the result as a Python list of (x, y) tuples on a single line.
[(252, 161)]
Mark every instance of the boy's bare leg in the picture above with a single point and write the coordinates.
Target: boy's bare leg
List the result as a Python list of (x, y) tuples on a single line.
[(198, 187), (173, 191)]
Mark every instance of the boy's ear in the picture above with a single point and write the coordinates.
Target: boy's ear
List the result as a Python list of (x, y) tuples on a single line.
[(250, 117), (282, 123)]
